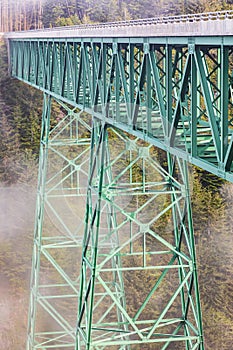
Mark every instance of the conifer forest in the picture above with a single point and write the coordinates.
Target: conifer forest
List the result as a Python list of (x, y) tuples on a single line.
[(20, 119)]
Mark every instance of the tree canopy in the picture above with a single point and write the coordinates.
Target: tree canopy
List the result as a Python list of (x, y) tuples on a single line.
[(20, 117), (33, 14)]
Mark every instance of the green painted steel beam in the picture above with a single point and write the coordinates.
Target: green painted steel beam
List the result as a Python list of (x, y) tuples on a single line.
[(127, 234), (63, 167), (126, 179), (172, 92), (213, 41)]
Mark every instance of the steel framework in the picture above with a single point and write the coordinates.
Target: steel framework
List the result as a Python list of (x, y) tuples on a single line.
[(174, 92), (138, 282), (64, 150)]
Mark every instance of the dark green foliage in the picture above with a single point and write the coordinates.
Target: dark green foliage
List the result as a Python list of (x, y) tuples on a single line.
[(20, 116), (212, 215), (61, 13), (146, 9), (208, 180), (50, 13)]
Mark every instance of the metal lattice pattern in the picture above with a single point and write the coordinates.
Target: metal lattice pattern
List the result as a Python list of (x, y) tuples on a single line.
[(176, 93), (64, 156), (138, 283)]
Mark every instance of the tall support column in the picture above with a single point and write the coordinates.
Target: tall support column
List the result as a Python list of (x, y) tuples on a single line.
[(141, 290), (63, 170), (100, 240), (39, 220), (184, 237)]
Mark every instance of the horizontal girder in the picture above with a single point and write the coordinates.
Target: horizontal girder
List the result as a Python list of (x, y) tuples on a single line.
[(175, 93)]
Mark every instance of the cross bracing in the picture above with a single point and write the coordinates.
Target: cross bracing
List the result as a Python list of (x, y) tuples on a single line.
[(138, 285), (58, 228), (174, 92)]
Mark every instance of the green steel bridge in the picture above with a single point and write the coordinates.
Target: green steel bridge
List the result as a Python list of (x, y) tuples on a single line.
[(126, 106)]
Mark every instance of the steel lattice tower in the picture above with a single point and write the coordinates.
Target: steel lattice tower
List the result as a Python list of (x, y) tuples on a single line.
[(138, 283), (64, 148), (114, 263)]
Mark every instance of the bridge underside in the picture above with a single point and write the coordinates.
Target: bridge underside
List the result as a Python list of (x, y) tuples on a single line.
[(175, 93), (135, 266)]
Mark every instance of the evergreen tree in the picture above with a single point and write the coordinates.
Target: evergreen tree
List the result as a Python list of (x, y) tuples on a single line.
[(19, 146)]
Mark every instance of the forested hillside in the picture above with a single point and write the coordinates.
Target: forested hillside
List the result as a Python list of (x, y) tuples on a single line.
[(20, 117), (32, 14)]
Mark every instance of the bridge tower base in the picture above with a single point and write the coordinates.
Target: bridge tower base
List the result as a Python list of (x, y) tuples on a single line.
[(138, 284), (134, 268), (63, 171)]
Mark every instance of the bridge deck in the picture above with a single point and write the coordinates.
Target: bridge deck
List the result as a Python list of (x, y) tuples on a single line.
[(171, 84)]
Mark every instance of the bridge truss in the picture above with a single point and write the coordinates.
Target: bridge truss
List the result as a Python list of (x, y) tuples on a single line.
[(138, 281)]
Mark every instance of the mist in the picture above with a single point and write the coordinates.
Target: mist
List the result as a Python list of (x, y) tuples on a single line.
[(17, 207)]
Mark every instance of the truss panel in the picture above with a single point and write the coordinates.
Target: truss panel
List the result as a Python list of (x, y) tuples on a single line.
[(174, 92), (64, 154), (138, 285)]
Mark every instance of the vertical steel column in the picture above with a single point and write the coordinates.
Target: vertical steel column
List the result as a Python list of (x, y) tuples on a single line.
[(91, 235), (100, 241), (183, 230), (155, 301), (63, 169), (38, 223)]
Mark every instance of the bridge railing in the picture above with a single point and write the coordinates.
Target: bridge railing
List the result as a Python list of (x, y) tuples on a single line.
[(207, 16), (196, 17)]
